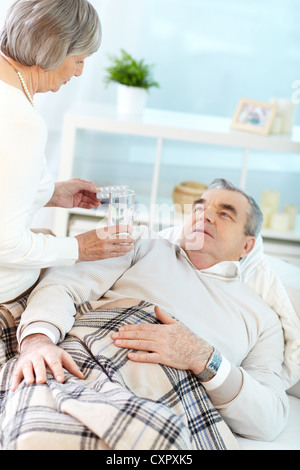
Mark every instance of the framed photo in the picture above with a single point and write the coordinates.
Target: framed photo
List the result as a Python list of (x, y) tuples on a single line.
[(254, 116)]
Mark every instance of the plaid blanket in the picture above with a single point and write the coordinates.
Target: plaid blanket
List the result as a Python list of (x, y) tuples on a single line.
[(119, 404)]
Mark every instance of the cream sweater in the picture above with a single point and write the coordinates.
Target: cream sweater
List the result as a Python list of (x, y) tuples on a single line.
[(213, 303), (25, 187)]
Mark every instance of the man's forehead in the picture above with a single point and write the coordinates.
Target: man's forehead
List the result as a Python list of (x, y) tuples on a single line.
[(224, 196)]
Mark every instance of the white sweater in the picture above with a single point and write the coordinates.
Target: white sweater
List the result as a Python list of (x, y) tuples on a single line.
[(25, 187), (212, 302)]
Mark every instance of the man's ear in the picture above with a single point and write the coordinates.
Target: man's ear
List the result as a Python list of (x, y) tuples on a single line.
[(248, 246)]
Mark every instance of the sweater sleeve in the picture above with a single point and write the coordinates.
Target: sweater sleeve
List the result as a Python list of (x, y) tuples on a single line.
[(37, 250), (55, 298), (260, 408)]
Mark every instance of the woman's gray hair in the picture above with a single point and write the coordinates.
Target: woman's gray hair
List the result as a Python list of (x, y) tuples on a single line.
[(254, 217), (45, 32)]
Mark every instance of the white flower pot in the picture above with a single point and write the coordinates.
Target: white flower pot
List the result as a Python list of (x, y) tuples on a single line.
[(131, 100)]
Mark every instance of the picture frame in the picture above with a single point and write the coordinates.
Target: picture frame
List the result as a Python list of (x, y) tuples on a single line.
[(254, 116)]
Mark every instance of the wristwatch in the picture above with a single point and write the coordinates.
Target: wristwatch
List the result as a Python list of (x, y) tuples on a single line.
[(212, 366)]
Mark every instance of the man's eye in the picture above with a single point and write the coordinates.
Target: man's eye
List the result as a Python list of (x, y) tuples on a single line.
[(224, 214)]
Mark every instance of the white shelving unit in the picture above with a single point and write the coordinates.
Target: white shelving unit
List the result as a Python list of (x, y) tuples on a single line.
[(163, 125)]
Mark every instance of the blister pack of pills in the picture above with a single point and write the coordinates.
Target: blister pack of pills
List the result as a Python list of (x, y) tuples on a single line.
[(103, 194)]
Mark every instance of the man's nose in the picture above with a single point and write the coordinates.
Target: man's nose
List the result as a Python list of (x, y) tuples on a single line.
[(205, 214), (209, 215)]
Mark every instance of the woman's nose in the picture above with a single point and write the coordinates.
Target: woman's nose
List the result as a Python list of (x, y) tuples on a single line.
[(79, 70)]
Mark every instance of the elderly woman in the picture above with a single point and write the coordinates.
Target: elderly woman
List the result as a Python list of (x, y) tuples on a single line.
[(43, 44)]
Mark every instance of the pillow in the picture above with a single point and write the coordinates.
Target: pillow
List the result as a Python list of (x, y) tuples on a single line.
[(278, 284)]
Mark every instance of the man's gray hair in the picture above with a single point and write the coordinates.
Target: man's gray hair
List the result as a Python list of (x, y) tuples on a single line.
[(254, 216), (45, 32)]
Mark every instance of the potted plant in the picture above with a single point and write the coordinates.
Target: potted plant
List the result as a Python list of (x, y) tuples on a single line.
[(134, 79)]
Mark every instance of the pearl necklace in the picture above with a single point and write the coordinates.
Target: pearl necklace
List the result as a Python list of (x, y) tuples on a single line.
[(22, 81)]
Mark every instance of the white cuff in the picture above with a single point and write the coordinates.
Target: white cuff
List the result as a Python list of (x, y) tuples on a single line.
[(220, 377), (43, 328)]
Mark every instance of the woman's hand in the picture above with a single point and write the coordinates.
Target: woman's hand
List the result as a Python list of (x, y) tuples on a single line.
[(105, 242), (75, 193), (37, 354), (171, 344)]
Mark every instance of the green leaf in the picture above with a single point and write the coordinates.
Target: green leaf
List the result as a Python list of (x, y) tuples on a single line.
[(128, 71)]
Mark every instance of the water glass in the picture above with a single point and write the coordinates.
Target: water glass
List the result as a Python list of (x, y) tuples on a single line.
[(121, 207)]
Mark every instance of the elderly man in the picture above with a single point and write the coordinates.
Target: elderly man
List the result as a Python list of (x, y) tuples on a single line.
[(210, 322)]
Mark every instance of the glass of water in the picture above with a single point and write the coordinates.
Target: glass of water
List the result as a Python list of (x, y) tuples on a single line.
[(121, 207)]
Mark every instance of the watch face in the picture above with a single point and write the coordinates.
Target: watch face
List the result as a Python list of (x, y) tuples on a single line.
[(215, 362), (212, 367)]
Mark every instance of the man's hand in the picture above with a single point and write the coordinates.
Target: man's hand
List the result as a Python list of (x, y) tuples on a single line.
[(171, 344), (38, 352)]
